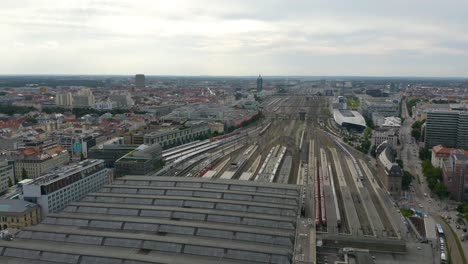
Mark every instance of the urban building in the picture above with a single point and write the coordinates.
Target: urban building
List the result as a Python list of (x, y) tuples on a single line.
[(374, 92), (141, 161), (390, 173), (178, 135), (111, 151), (447, 128), (17, 214), (167, 220), (440, 154), (123, 100), (348, 119), (455, 174), (55, 190), (64, 99), (105, 105), (134, 138), (77, 144), (216, 127), (259, 83), (380, 135), (84, 98), (7, 175), (385, 107), (340, 103), (140, 81), (32, 163)]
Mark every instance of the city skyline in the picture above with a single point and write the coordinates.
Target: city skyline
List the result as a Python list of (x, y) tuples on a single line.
[(235, 38)]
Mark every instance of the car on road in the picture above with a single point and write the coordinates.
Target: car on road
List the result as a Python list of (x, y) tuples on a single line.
[(457, 226), (425, 194), (420, 205)]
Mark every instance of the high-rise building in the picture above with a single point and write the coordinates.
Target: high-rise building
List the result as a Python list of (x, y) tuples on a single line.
[(55, 190), (84, 98), (455, 171), (140, 81), (64, 99), (447, 128), (259, 83)]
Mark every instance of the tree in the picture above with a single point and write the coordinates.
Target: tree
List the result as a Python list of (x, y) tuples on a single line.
[(400, 163), (10, 183), (367, 132), (406, 180), (440, 190), (82, 157), (24, 174), (424, 154)]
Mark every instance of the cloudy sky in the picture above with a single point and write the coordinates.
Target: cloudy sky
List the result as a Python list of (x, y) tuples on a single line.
[(235, 37)]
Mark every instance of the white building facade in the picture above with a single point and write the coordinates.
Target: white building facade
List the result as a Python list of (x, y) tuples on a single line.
[(56, 190)]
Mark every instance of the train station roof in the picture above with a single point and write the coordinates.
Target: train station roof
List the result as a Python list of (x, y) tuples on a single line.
[(144, 219)]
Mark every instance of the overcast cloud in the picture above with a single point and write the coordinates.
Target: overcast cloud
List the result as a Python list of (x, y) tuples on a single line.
[(238, 37)]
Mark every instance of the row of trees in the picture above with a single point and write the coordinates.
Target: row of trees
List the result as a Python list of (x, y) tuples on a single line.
[(434, 179), (417, 131), (79, 112), (410, 104)]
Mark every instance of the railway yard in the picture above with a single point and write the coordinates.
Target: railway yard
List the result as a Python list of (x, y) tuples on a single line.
[(342, 196)]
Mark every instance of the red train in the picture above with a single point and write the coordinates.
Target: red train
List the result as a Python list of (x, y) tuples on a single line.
[(224, 136), (207, 168)]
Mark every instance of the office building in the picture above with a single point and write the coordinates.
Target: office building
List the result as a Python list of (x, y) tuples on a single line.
[(380, 135), (455, 174), (390, 173), (447, 128), (55, 190), (32, 163), (141, 161), (7, 175), (77, 144), (64, 99), (110, 151), (259, 83), (385, 107), (168, 220), (140, 81), (175, 135), (17, 214)]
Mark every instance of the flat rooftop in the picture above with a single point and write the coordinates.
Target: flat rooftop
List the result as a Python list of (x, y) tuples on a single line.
[(150, 219)]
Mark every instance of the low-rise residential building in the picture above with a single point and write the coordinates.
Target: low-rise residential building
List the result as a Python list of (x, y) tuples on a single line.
[(178, 135), (455, 174), (17, 214), (32, 163), (141, 161), (55, 190), (440, 154), (380, 135), (7, 175), (391, 173)]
